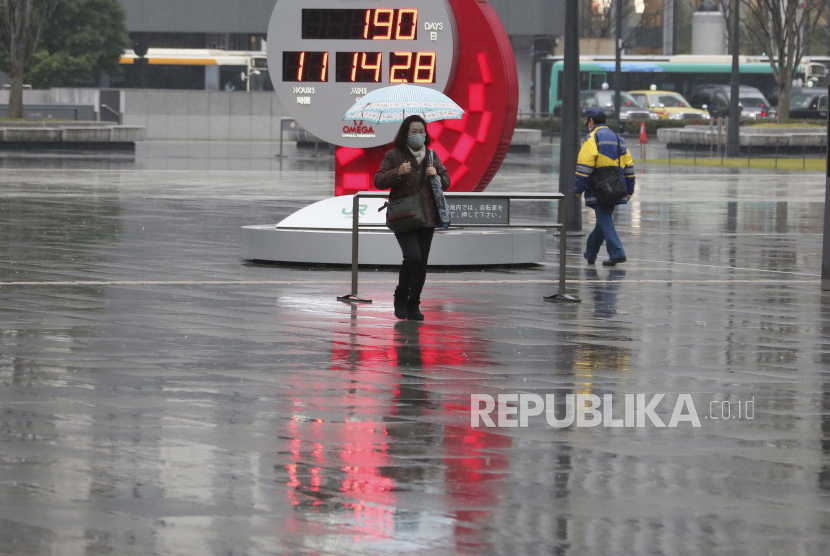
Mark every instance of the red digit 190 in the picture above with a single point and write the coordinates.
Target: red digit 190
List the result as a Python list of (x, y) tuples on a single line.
[(379, 25)]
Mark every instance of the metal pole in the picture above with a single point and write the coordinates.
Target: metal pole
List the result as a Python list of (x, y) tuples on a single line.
[(695, 154), (355, 241), (618, 67), (825, 251), (669, 154), (711, 135), (734, 142), (570, 210), (804, 156), (749, 158), (563, 253), (281, 138), (352, 297), (776, 156)]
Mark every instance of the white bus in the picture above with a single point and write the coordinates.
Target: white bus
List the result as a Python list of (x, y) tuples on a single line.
[(194, 69)]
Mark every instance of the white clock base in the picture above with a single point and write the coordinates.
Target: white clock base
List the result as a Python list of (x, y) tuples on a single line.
[(321, 234)]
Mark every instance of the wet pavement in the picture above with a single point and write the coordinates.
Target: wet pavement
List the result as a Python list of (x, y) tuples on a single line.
[(158, 395)]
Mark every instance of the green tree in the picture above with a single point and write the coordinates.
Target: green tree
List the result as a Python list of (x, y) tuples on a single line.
[(78, 40), (21, 25), (83, 38)]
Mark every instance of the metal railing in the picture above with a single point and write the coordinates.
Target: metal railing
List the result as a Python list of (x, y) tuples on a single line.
[(561, 295), (119, 115), (292, 125)]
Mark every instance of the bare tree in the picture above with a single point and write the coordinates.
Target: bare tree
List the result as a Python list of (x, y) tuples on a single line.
[(21, 24), (778, 27)]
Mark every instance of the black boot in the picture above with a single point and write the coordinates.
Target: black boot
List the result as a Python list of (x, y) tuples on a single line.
[(419, 276), (401, 299), (413, 310)]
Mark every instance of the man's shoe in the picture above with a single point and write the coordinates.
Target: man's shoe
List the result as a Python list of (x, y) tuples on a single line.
[(401, 299), (413, 310), (590, 261), (613, 262)]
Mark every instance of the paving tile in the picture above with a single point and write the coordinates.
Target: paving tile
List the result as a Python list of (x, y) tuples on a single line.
[(169, 404)]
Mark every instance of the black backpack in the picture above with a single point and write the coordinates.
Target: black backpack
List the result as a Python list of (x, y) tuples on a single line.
[(607, 182)]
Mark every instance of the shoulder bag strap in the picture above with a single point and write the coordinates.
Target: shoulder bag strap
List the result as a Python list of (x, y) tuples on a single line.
[(619, 151)]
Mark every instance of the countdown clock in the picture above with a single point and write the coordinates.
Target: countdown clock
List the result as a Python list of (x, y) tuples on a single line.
[(324, 55)]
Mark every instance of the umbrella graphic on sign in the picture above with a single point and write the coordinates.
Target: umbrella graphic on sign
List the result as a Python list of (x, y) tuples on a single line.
[(394, 104)]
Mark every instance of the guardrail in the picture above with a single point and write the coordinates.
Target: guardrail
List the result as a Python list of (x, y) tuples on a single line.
[(119, 115), (559, 296), (290, 124)]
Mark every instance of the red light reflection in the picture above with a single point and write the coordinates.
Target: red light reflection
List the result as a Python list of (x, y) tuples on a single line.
[(347, 464)]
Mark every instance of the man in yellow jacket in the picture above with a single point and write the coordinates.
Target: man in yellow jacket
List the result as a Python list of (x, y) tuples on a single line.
[(602, 147)]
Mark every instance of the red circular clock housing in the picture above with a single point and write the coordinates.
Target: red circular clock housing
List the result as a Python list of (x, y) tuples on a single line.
[(485, 84)]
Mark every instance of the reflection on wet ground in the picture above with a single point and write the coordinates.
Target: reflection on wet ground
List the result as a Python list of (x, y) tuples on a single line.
[(161, 396)]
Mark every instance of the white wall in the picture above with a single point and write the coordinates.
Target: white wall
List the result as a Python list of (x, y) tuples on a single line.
[(75, 96), (205, 115), (521, 51), (30, 96), (708, 33)]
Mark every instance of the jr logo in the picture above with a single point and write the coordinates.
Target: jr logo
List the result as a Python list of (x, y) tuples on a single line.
[(361, 210)]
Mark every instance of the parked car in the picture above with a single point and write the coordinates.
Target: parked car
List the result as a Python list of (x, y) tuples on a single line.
[(669, 105), (715, 98), (630, 109), (808, 103)]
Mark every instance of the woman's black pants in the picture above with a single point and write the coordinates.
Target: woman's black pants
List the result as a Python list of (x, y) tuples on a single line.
[(415, 246)]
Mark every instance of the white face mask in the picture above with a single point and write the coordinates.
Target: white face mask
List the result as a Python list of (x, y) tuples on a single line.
[(416, 141)]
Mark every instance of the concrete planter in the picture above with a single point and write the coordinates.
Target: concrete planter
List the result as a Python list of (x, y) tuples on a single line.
[(39, 135), (86, 135), (762, 137), (70, 136), (524, 139), (120, 134)]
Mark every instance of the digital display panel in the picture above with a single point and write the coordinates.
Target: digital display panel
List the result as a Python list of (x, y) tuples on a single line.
[(359, 67), (326, 55), (412, 67), (382, 24), (305, 67)]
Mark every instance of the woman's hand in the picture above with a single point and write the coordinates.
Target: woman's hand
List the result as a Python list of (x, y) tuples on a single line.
[(432, 172), (405, 168)]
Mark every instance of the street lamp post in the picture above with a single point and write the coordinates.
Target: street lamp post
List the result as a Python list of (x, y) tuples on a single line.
[(570, 210), (618, 68), (733, 145), (825, 251)]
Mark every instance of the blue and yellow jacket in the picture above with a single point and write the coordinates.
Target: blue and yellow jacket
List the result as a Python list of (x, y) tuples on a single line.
[(599, 148)]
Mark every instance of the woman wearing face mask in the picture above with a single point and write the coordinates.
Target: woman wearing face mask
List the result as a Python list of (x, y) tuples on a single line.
[(406, 170)]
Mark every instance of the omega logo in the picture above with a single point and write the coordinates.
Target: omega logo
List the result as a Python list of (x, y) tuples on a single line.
[(358, 127)]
